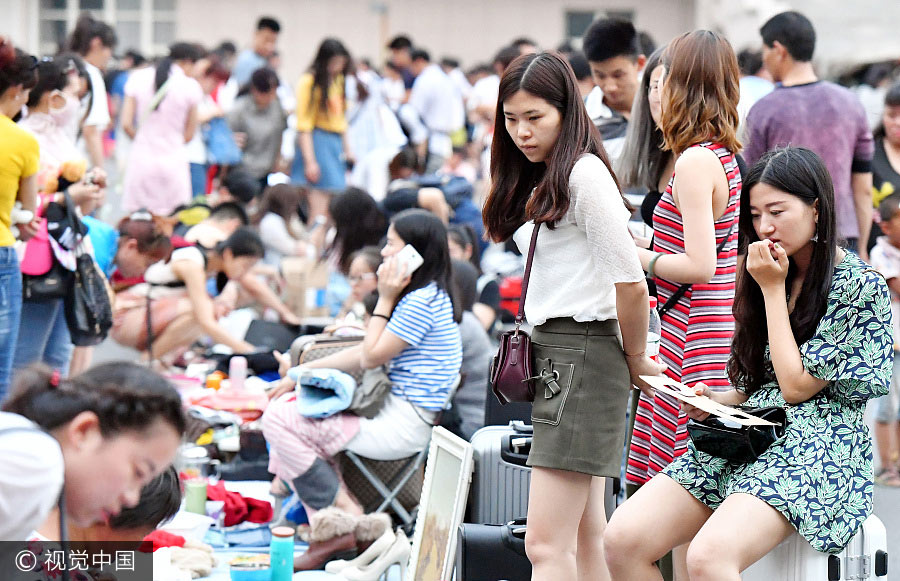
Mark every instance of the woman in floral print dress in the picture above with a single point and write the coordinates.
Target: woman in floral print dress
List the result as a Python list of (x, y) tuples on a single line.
[(827, 318)]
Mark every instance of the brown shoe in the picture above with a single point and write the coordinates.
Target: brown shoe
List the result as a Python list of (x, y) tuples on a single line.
[(321, 552)]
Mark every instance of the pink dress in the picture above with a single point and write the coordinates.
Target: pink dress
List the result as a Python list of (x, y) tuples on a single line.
[(157, 177)]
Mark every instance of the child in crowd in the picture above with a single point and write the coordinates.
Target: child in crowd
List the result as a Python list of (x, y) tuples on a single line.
[(886, 259)]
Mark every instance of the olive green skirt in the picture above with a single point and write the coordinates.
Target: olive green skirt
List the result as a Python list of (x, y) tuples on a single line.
[(581, 398)]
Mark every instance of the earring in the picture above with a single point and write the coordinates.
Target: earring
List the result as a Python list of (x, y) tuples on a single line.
[(815, 237)]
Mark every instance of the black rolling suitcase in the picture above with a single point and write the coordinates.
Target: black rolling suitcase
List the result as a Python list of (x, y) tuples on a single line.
[(492, 552)]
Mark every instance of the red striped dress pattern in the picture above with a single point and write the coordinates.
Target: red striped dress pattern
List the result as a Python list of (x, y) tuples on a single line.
[(696, 333)]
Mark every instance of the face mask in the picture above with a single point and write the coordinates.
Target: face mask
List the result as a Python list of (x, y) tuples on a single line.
[(65, 114)]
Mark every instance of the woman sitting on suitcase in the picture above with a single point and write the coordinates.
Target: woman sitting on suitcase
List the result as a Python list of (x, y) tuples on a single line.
[(827, 316), (413, 331)]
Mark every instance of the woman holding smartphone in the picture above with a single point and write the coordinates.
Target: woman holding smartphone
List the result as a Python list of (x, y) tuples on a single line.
[(549, 171), (413, 331)]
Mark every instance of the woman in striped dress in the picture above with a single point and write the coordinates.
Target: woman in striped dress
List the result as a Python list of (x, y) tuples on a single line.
[(695, 239)]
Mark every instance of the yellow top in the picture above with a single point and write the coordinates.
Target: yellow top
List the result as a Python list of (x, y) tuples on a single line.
[(19, 158), (311, 115)]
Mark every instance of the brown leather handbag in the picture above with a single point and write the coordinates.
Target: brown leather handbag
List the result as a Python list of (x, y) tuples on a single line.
[(511, 377)]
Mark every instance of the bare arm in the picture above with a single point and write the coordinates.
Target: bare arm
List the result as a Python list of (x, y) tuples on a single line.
[(194, 278), (128, 110), (190, 126), (260, 291), (696, 173), (795, 382), (93, 141), (634, 317), (28, 192), (862, 202)]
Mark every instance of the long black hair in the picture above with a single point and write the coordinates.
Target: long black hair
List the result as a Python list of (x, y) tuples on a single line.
[(180, 51), (330, 47), (427, 234), (799, 172), (51, 76), (358, 222), (546, 75), (125, 396)]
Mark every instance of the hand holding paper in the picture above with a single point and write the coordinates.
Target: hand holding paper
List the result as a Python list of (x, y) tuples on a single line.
[(703, 402)]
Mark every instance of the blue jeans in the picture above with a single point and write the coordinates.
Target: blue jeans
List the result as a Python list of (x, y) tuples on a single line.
[(10, 309), (198, 179), (43, 336)]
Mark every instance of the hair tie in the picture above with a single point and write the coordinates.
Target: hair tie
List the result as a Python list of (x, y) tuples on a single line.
[(54, 379)]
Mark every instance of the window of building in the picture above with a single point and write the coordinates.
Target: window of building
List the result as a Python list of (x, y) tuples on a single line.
[(577, 22), (147, 26)]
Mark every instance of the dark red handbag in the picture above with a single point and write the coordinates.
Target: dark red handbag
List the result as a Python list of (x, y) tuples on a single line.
[(511, 378)]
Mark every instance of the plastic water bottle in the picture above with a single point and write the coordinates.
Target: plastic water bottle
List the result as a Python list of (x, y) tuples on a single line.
[(653, 332), (281, 554), (237, 371)]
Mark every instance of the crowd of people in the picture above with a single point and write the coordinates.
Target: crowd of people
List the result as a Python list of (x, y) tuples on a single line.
[(738, 189)]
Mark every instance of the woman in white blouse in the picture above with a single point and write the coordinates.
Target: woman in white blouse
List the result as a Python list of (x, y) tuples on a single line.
[(548, 167)]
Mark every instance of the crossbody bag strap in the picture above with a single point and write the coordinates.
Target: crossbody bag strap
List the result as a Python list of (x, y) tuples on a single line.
[(64, 533), (520, 316), (155, 101), (681, 290)]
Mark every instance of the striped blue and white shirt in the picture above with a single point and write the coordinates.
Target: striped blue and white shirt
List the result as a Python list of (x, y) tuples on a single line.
[(424, 372)]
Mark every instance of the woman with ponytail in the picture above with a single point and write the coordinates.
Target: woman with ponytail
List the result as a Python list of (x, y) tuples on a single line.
[(94, 41), (180, 308), (19, 164), (57, 436), (160, 115)]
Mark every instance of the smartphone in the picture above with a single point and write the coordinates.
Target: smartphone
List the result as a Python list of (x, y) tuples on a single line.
[(409, 258)]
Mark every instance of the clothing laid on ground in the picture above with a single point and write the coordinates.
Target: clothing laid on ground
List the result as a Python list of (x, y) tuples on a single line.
[(31, 479), (579, 420), (819, 474), (826, 118), (158, 176), (695, 342)]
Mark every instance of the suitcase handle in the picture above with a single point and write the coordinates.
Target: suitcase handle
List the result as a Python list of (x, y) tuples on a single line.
[(513, 536), (520, 427), (514, 449)]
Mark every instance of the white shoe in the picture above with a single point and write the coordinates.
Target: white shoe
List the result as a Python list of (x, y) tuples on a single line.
[(397, 553), (379, 546)]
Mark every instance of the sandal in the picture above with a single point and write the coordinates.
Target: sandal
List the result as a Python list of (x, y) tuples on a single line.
[(889, 477)]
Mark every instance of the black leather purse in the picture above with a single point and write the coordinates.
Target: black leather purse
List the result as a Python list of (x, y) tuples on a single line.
[(724, 438)]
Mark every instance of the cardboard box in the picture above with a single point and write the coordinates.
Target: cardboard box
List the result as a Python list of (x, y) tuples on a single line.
[(306, 286)]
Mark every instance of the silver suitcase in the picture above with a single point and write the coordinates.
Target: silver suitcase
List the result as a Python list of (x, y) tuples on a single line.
[(864, 558), (500, 485)]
